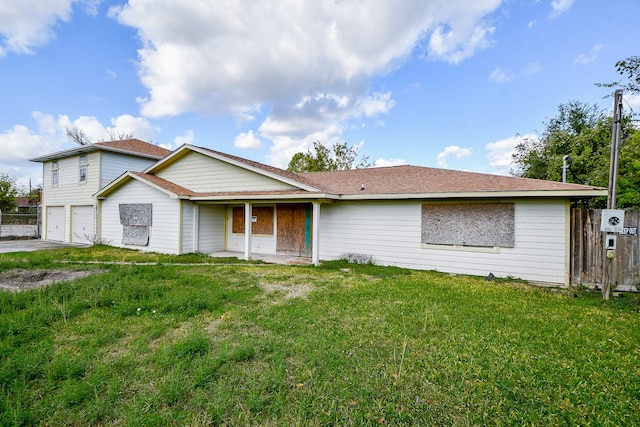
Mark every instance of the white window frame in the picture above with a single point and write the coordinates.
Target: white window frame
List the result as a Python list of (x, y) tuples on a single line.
[(83, 169), (55, 173)]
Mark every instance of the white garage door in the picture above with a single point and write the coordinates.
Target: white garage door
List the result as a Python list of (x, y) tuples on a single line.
[(82, 224), (55, 223)]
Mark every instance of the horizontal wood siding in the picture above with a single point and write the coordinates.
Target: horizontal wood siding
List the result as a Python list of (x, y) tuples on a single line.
[(69, 191), (204, 174), (390, 233), (115, 164), (164, 232), (211, 228)]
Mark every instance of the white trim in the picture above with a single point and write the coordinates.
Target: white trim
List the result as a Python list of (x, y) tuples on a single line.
[(315, 234), (247, 231), (461, 248)]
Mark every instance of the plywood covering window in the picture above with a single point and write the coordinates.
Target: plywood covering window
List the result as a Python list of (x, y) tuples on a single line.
[(469, 224), (262, 220)]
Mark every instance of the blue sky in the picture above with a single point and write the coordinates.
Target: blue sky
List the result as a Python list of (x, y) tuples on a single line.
[(444, 83)]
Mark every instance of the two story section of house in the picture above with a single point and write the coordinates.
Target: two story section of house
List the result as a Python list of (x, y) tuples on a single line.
[(71, 178)]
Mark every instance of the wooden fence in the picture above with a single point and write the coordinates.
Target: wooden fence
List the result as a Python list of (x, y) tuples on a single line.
[(587, 252)]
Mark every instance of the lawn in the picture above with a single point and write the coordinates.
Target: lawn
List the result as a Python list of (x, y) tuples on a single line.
[(224, 342)]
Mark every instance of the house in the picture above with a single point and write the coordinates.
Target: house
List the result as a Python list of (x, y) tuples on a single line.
[(201, 200), (71, 178)]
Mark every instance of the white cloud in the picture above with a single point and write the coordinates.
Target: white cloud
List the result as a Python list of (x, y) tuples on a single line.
[(633, 102), (28, 24), (532, 69), (592, 55), (381, 162), (501, 152), (311, 64), (20, 143), (452, 151), (248, 141), (558, 7), (501, 76)]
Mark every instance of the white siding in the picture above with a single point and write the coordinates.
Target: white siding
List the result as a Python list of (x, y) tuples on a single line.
[(205, 174), (187, 212), (390, 232), (115, 164), (211, 228), (69, 190), (164, 231)]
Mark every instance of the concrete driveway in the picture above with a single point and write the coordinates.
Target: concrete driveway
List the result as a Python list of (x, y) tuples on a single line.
[(33, 245)]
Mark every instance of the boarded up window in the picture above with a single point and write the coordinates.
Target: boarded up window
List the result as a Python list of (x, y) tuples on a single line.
[(136, 220), (261, 220), (469, 224)]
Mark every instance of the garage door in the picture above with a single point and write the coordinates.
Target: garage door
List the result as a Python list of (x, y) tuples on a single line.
[(82, 224), (55, 223)]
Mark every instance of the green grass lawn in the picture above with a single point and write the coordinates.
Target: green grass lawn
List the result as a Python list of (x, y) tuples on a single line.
[(247, 344)]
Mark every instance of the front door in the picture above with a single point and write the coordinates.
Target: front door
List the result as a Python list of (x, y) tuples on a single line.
[(294, 229)]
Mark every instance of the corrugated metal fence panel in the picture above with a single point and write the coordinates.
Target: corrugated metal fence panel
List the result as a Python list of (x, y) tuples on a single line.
[(587, 251)]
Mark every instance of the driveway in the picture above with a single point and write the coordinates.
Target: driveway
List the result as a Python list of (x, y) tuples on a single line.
[(32, 245)]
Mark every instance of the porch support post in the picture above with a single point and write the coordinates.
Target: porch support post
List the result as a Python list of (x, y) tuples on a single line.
[(247, 231), (315, 237)]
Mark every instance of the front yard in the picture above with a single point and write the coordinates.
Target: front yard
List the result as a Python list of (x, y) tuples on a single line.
[(211, 342)]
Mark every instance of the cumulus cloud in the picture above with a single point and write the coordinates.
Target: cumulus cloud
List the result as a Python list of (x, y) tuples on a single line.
[(452, 152), (558, 7), (310, 66), (501, 152), (21, 142), (587, 58), (501, 76), (248, 141), (28, 24)]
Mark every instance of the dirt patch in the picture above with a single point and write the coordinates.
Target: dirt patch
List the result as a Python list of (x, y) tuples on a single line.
[(288, 290), (20, 279)]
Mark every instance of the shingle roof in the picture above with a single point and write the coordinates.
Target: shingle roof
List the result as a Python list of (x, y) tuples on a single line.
[(164, 184), (128, 146), (134, 145), (408, 179)]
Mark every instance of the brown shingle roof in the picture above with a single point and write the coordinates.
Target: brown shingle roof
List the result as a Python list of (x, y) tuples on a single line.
[(416, 179), (163, 183), (134, 145)]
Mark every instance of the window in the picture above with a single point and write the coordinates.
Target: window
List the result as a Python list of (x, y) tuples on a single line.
[(480, 225), (82, 169), (261, 218), (54, 173)]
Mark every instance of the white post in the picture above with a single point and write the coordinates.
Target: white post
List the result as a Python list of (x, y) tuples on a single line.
[(247, 231), (196, 227), (315, 236)]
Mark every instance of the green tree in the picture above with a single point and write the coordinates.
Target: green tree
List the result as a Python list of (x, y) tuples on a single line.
[(339, 157), (8, 193), (582, 132)]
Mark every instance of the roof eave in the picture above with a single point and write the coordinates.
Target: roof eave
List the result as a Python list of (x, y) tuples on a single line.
[(567, 194), (89, 148), (263, 197)]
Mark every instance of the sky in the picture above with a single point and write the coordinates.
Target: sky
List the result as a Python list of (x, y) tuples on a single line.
[(442, 83)]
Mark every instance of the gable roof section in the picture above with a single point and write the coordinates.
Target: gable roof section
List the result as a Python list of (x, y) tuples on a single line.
[(132, 147), (411, 181), (169, 188), (290, 178)]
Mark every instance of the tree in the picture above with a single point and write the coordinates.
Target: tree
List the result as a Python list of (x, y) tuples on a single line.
[(78, 136), (339, 157), (583, 132), (8, 193), (629, 68)]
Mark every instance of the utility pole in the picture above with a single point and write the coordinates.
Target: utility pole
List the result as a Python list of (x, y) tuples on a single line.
[(615, 148), (613, 183)]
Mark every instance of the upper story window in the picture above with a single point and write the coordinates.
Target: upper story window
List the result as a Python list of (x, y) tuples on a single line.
[(82, 169), (54, 173)]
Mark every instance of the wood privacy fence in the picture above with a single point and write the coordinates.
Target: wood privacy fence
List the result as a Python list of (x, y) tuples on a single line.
[(587, 252)]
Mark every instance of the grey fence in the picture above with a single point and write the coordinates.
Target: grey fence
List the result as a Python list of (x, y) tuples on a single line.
[(588, 263), (20, 226)]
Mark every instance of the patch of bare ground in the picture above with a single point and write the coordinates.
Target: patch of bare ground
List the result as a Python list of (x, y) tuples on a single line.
[(20, 279), (288, 290)]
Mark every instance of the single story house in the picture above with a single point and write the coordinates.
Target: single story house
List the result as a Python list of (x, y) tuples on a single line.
[(201, 200)]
